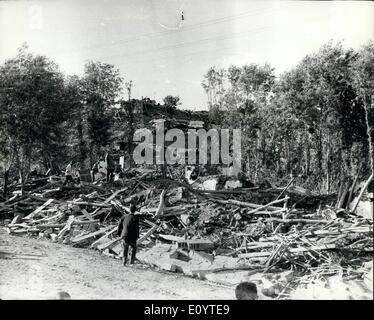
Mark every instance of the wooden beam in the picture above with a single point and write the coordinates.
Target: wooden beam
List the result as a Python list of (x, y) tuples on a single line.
[(94, 244), (90, 235), (292, 250), (93, 204), (37, 210)]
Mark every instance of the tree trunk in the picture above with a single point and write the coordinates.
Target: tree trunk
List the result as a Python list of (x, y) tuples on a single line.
[(328, 166), (5, 190), (307, 168), (319, 152), (370, 137), (81, 143)]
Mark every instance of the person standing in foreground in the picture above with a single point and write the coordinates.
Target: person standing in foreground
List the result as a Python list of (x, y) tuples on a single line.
[(128, 230)]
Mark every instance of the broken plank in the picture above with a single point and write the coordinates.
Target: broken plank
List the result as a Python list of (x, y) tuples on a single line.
[(160, 210), (292, 250), (93, 204), (15, 220), (90, 235), (170, 237), (67, 227), (227, 191), (268, 205), (75, 222), (37, 210), (244, 204), (86, 214), (94, 244), (296, 220), (111, 197), (148, 233), (108, 244)]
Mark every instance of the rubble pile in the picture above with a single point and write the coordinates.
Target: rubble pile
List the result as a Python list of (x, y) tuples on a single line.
[(199, 231)]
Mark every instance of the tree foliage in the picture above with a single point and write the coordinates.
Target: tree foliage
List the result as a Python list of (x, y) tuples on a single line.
[(309, 121), (32, 107)]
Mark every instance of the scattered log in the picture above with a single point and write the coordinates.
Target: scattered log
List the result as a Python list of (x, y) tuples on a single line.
[(86, 214), (106, 235), (65, 229), (92, 204), (60, 225), (362, 192), (286, 188), (90, 235), (296, 220), (15, 220), (111, 197), (108, 244), (47, 203), (353, 186), (160, 208), (245, 204), (344, 194), (159, 211), (291, 250), (227, 191), (268, 205)]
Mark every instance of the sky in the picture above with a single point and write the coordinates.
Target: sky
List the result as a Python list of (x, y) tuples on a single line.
[(162, 54)]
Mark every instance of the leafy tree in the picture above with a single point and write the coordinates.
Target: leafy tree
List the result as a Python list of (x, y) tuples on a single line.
[(172, 101), (363, 81), (101, 85), (31, 108), (237, 97), (310, 121), (213, 85), (76, 126)]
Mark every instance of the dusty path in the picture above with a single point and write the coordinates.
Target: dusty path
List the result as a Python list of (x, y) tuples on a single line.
[(37, 269)]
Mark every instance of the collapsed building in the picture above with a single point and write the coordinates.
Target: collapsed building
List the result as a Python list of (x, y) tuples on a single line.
[(285, 239)]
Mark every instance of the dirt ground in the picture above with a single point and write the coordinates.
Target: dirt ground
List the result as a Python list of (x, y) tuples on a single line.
[(38, 269)]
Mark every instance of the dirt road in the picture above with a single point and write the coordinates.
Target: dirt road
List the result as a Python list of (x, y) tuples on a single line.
[(37, 269)]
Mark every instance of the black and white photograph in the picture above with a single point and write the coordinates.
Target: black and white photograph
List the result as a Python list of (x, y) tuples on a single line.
[(167, 150)]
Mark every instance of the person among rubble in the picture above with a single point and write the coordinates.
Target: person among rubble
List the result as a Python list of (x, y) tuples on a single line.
[(96, 168), (128, 230), (109, 167), (69, 173), (77, 175)]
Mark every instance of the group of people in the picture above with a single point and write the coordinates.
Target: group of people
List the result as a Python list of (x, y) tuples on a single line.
[(105, 165)]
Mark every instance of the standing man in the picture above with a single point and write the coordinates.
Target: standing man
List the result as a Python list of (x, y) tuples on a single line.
[(128, 230), (69, 173), (109, 166)]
